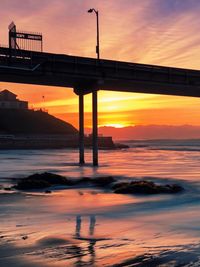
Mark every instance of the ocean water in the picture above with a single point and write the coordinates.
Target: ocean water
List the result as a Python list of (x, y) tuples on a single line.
[(156, 158), (160, 230)]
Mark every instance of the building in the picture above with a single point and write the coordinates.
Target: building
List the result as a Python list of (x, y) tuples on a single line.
[(8, 100)]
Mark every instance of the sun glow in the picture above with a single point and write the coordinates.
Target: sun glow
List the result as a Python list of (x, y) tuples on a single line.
[(115, 125), (171, 42)]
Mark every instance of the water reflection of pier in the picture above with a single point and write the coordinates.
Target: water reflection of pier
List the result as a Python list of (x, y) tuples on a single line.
[(91, 226), (91, 240)]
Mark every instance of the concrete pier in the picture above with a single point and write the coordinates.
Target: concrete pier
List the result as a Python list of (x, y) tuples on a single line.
[(86, 75), (95, 128), (81, 129)]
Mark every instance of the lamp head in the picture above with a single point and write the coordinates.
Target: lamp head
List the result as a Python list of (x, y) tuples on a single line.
[(90, 10)]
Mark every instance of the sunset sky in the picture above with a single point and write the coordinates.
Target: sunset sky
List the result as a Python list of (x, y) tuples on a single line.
[(164, 32)]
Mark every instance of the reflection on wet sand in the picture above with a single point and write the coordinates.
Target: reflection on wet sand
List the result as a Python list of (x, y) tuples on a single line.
[(78, 226), (92, 224), (90, 239)]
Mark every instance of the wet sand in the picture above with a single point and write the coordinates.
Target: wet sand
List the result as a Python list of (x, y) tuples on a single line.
[(93, 227)]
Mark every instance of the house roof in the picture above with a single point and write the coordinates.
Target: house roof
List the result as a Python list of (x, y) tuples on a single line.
[(7, 92)]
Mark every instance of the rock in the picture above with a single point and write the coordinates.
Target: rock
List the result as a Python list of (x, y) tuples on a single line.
[(176, 188), (99, 181), (8, 188), (48, 177), (27, 184), (25, 237), (83, 180), (43, 180), (103, 181), (145, 187), (119, 185), (48, 192)]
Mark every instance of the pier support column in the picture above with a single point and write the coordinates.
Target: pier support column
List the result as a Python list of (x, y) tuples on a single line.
[(81, 129), (95, 128)]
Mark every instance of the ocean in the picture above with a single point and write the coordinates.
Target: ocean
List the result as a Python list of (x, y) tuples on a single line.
[(117, 230), (175, 159)]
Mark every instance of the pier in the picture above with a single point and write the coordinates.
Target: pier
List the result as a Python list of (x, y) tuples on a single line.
[(28, 64)]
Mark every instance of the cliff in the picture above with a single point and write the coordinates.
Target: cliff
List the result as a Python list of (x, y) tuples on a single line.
[(28, 129), (13, 121)]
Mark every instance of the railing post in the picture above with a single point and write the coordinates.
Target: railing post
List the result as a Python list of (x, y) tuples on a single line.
[(81, 129), (95, 128)]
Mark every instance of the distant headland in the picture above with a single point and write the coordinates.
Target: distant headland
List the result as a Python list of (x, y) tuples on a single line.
[(24, 128)]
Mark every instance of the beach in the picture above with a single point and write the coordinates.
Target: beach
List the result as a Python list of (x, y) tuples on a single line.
[(91, 226)]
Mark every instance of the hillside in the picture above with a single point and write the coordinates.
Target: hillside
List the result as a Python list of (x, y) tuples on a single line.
[(13, 121)]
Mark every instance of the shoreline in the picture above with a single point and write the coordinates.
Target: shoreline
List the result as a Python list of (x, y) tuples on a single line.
[(90, 227), (54, 142)]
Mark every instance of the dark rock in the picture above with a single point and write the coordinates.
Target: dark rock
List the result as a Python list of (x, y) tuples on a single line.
[(145, 187), (99, 181), (119, 185), (48, 177), (176, 188), (42, 180), (25, 237), (27, 184), (8, 188), (83, 180), (48, 192), (103, 181)]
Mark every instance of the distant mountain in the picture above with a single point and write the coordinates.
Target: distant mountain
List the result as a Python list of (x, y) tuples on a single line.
[(152, 132), (23, 121)]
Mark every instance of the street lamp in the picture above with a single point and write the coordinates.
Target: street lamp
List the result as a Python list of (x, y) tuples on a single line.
[(95, 102), (97, 15)]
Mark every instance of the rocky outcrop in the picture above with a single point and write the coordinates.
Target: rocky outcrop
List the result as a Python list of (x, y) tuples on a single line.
[(44, 180), (145, 187), (41, 180)]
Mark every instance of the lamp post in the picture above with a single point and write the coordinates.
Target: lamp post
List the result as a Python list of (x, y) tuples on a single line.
[(94, 101), (97, 16)]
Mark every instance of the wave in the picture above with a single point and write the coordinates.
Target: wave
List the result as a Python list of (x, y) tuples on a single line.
[(174, 145), (192, 149)]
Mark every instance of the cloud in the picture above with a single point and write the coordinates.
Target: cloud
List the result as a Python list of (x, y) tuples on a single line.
[(149, 31)]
